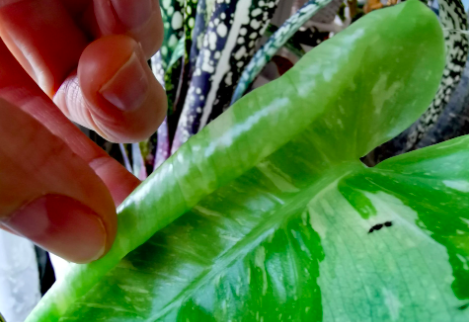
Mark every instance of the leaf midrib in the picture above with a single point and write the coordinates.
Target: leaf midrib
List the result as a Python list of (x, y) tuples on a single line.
[(260, 232)]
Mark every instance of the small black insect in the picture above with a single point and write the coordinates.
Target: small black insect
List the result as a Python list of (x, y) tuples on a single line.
[(379, 226)]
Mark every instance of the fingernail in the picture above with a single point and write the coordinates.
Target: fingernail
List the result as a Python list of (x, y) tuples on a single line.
[(63, 226), (128, 88), (134, 13)]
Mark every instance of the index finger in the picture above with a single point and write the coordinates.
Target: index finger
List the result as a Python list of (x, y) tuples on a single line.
[(18, 88)]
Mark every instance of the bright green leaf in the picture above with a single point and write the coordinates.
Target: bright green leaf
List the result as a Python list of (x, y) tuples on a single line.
[(453, 19), (277, 207)]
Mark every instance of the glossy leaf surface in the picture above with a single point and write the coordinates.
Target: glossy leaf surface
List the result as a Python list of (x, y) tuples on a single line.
[(453, 19), (277, 208), (453, 121)]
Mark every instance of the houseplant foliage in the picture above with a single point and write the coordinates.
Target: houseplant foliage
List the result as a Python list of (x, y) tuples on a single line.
[(453, 19), (453, 122), (200, 80), (274, 43), (206, 45), (267, 214)]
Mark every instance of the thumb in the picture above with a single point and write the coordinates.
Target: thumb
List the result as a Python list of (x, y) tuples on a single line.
[(50, 195)]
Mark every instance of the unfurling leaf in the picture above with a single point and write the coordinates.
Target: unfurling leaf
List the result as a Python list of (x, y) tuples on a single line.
[(269, 215), (453, 19)]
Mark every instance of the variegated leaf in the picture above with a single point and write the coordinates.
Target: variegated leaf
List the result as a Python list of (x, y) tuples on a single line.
[(454, 22), (228, 44), (292, 44), (454, 120), (171, 13)]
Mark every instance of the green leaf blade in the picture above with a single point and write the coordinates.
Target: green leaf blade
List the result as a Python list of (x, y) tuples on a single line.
[(453, 19), (393, 272), (237, 193), (438, 177)]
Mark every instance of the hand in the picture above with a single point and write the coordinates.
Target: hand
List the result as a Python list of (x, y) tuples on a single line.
[(58, 188)]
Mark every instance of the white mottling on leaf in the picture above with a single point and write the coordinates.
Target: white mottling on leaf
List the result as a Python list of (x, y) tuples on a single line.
[(207, 212), (464, 261), (240, 53), (176, 21), (280, 179), (223, 64), (459, 185), (228, 78), (172, 41), (212, 40), (392, 303), (166, 4), (222, 30), (255, 24), (256, 12), (382, 92), (134, 289), (259, 261)]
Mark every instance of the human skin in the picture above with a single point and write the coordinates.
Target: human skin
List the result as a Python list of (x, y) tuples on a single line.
[(82, 61)]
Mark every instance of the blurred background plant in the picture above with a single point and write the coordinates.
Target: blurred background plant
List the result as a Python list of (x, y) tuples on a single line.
[(214, 52), (211, 48)]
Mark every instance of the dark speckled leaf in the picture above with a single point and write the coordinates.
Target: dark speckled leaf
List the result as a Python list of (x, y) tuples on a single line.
[(275, 42), (292, 44), (173, 18), (223, 49), (454, 120)]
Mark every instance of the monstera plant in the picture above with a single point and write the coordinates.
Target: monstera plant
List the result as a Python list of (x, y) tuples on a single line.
[(268, 214)]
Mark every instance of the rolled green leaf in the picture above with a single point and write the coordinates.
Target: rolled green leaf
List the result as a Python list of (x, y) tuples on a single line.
[(453, 19), (269, 232)]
